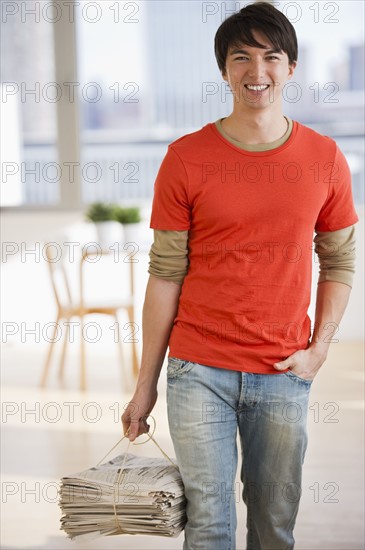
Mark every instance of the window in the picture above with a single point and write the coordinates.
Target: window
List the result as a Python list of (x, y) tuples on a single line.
[(28, 106), (147, 75)]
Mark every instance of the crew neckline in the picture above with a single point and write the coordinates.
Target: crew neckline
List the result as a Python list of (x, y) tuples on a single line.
[(259, 147)]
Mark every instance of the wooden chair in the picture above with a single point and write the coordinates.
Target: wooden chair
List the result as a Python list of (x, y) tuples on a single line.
[(67, 308)]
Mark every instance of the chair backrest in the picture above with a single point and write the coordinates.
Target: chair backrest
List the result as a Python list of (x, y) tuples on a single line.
[(99, 266), (59, 277), (75, 276)]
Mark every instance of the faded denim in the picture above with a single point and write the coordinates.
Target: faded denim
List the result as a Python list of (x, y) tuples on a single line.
[(206, 405)]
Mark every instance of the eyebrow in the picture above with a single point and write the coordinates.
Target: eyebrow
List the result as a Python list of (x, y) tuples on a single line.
[(272, 50)]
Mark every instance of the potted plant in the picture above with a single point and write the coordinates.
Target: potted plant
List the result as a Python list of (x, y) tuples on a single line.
[(102, 215), (130, 219)]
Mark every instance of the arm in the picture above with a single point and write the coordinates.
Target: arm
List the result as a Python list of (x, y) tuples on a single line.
[(168, 267), (159, 311), (336, 253), (331, 302), (332, 299)]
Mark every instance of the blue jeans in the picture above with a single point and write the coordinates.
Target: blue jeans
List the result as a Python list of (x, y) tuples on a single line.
[(205, 406)]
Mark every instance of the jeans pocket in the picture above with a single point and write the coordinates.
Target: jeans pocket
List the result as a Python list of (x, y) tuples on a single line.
[(297, 378), (177, 367)]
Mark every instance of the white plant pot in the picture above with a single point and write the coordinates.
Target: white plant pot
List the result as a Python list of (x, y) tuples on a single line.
[(132, 232), (108, 233)]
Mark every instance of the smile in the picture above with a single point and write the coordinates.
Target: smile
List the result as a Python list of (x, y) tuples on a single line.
[(257, 88)]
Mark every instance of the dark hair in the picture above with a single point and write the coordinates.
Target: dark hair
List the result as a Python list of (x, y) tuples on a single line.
[(261, 17)]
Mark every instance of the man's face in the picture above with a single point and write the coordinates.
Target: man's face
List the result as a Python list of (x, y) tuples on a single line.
[(257, 76)]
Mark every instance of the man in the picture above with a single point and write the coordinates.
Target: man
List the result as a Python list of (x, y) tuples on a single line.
[(235, 208)]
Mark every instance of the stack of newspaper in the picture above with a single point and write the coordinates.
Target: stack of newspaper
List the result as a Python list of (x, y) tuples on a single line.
[(148, 500)]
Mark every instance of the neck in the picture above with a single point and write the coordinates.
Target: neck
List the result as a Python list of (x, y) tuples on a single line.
[(253, 127)]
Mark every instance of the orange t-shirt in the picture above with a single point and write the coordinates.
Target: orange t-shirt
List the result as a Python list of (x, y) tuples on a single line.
[(251, 218)]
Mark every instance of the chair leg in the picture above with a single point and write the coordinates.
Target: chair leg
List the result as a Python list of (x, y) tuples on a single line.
[(82, 358), (135, 365), (61, 368), (120, 351), (49, 356)]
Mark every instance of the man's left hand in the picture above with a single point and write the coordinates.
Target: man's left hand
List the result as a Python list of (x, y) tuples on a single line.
[(304, 363)]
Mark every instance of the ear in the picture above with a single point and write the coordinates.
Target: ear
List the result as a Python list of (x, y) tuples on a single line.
[(292, 67)]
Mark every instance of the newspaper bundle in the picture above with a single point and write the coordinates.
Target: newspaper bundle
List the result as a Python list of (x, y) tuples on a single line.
[(149, 499)]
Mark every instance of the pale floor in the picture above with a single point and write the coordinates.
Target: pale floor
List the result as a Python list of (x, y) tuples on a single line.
[(39, 448)]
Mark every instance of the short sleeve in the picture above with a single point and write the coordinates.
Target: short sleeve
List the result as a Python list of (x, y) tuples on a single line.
[(170, 208), (338, 210)]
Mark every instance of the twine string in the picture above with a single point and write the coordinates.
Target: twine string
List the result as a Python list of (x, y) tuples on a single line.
[(121, 471)]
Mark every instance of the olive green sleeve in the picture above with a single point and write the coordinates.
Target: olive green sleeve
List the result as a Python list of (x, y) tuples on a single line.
[(169, 255), (336, 254), (335, 250)]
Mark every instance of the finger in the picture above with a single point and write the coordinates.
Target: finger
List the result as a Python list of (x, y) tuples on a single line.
[(143, 426), (288, 362), (283, 365), (134, 430), (126, 424), (140, 429)]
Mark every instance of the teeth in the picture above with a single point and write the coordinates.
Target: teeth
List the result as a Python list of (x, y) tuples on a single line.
[(257, 88)]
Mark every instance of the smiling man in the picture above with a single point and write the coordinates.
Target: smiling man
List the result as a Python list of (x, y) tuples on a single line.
[(235, 210)]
